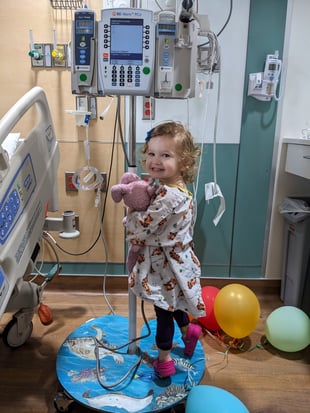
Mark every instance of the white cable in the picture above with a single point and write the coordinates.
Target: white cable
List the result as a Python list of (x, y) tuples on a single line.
[(215, 56), (196, 184), (106, 110), (84, 175), (44, 239), (39, 270)]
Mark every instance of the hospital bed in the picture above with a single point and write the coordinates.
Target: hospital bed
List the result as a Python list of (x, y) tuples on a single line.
[(28, 189)]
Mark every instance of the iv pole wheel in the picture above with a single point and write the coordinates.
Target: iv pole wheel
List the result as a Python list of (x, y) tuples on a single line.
[(14, 338), (62, 402)]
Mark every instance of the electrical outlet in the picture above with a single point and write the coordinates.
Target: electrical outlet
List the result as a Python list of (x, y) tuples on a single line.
[(68, 182), (148, 108)]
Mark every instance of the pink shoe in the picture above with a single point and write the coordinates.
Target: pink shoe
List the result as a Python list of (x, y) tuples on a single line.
[(191, 338), (164, 368)]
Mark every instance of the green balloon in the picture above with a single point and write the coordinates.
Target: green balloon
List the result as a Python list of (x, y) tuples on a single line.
[(288, 329)]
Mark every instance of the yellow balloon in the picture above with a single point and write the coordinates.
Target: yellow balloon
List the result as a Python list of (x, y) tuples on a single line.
[(236, 310)]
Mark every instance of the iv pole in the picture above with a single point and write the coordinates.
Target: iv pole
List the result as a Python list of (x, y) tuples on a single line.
[(132, 302)]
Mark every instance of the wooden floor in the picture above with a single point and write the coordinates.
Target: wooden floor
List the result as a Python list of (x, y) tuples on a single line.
[(265, 379)]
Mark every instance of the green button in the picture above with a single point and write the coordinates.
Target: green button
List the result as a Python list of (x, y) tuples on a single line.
[(178, 87), (83, 77), (146, 70)]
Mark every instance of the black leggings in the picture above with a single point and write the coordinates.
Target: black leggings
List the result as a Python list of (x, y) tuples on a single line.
[(165, 326)]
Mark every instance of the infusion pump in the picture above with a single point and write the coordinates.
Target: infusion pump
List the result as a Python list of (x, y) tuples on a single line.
[(126, 52), (176, 57), (83, 46)]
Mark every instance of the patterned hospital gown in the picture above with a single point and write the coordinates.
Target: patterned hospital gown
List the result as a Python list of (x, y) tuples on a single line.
[(167, 270)]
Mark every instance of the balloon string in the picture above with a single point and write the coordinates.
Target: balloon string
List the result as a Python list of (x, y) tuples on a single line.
[(230, 342), (225, 354), (256, 346)]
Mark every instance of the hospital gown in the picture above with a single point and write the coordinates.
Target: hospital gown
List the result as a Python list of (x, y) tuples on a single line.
[(167, 270)]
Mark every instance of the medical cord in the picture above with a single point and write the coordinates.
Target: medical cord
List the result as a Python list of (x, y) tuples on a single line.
[(225, 23), (228, 18), (189, 380), (119, 122), (47, 238), (91, 172), (106, 260), (214, 55), (215, 129), (158, 5), (132, 371), (38, 270)]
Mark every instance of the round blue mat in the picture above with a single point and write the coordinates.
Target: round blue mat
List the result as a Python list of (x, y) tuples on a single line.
[(141, 391)]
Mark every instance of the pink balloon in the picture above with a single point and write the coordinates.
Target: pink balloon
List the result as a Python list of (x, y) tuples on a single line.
[(209, 321)]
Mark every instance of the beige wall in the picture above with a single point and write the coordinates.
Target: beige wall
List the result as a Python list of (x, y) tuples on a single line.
[(17, 77)]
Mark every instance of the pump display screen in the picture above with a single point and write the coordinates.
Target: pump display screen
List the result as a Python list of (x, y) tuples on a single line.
[(126, 41), (84, 26)]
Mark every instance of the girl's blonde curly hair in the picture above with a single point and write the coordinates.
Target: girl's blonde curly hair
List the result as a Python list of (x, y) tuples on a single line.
[(188, 151)]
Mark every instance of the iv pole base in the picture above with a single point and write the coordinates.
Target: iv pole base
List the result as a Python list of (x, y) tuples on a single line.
[(142, 390)]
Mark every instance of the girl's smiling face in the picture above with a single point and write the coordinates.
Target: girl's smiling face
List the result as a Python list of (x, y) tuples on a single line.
[(163, 161)]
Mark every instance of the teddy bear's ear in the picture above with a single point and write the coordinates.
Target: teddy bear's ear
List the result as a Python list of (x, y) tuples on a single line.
[(116, 193), (129, 177)]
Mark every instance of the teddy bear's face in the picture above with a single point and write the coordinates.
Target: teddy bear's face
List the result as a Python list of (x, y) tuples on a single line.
[(136, 194)]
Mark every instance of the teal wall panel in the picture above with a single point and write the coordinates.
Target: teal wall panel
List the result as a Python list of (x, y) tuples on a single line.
[(213, 243), (87, 268), (266, 34)]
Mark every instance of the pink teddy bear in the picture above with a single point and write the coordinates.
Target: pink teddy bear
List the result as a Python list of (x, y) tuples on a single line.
[(136, 194)]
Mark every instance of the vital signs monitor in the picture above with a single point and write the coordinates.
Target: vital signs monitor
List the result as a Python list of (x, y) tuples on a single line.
[(126, 51)]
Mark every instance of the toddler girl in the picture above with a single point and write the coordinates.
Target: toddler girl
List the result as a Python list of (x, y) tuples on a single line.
[(167, 270)]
